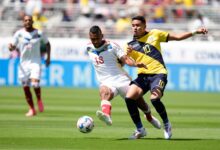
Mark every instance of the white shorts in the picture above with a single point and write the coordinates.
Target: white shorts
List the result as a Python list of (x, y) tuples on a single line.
[(29, 71), (119, 86)]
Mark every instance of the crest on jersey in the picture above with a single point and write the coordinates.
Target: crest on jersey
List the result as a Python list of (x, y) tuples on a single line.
[(150, 39)]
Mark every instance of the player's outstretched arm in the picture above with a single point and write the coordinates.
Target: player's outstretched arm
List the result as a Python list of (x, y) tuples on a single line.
[(185, 35), (129, 61)]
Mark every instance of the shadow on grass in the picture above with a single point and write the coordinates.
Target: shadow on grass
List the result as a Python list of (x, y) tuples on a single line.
[(173, 139)]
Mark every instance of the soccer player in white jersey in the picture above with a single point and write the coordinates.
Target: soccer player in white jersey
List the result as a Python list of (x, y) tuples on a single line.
[(107, 58), (27, 40)]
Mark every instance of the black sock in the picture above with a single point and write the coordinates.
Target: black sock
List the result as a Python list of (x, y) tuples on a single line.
[(160, 108), (133, 111)]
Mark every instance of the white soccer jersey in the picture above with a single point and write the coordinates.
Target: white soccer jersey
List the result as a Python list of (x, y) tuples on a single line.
[(106, 61), (28, 44)]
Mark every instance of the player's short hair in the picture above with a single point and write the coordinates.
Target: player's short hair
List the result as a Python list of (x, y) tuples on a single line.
[(28, 16), (95, 29), (140, 18)]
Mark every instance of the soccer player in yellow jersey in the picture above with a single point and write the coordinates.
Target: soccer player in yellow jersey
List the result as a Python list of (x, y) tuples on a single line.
[(145, 47)]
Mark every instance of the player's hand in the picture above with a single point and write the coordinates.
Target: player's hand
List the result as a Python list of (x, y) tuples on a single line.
[(129, 49), (11, 47), (141, 65), (202, 30), (47, 62)]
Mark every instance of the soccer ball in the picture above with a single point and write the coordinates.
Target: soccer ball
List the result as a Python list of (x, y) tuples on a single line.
[(85, 124)]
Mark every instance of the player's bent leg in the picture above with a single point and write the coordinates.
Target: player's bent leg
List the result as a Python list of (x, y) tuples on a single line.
[(140, 133), (37, 89), (160, 108), (154, 121), (106, 94), (40, 105), (146, 109), (28, 97), (105, 114), (143, 105), (106, 107), (167, 131), (104, 117)]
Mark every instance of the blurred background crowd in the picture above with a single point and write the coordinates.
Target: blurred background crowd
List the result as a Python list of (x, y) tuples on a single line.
[(72, 18)]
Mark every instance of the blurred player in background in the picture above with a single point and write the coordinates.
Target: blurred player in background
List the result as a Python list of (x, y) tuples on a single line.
[(106, 57), (27, 40), (145, 47)]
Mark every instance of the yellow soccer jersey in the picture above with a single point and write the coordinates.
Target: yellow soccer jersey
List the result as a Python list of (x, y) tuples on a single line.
[(147, 50)]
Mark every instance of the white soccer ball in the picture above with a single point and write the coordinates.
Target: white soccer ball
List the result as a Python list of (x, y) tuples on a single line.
[(85, 124)]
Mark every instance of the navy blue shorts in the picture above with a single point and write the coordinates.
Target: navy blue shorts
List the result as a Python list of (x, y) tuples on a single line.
[(151, 82)]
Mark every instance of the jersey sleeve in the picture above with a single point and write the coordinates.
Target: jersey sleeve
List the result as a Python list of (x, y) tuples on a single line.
[(118, 51), (163, 35), (15, 38)]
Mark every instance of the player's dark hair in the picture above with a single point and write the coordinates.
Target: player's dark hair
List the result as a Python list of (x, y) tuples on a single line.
[(95, 30), (140, 18), (28, 16)]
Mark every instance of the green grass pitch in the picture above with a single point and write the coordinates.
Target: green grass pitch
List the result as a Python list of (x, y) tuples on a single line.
[(195, 119)]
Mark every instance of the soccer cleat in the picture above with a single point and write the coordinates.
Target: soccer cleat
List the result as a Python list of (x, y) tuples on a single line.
[(167, 131), (155, 122), (30, 113), (138, 134), (104, 117), (40, 106)]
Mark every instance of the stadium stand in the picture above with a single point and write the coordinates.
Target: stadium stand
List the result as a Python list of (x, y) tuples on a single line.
[(72, 18)]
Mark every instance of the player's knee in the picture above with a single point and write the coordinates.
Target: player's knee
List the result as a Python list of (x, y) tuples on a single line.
[(106, 93), (35, 84), (156, 94), (134, 92)]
